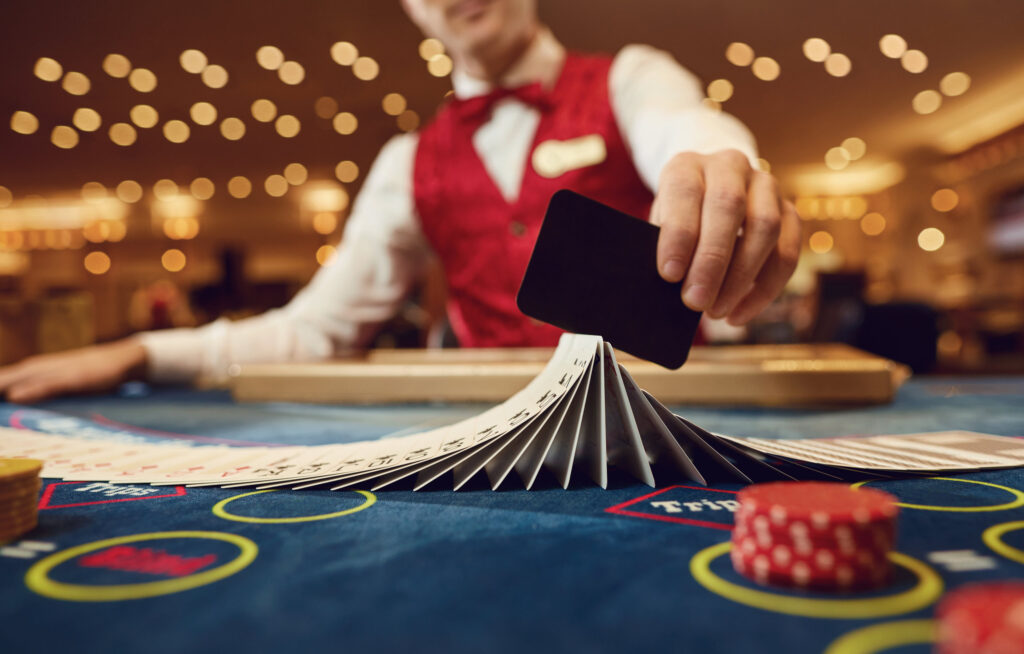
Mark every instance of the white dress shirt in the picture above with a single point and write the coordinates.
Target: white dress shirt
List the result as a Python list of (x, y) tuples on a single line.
[(659, 111)]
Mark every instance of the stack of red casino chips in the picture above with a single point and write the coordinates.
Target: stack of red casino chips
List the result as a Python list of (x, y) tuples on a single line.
[(814, 535), (982, 619)]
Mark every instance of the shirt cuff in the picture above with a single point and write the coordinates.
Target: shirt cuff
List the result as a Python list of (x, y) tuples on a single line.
[(173, 355)]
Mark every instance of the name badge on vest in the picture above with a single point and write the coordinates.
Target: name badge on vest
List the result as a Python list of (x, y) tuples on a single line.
[(553, 158)]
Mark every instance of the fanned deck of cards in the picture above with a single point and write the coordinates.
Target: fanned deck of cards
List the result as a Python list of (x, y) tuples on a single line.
[(580, 416)]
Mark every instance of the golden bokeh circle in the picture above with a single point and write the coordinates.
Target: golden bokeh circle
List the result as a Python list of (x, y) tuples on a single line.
[(144, 116), (202, 188), (122, 134), (96, 263), (816, 49), (344, 53), (345, 123), (232, 128), (440, 65), (239, 187), (739, 54), (766, 69), (821, 242), (24, 122), (269, 57), (838, 65), (366, 68), (393, 104), (264, 110), (86, 119), (142, 80), (291, 73), (275, 185), (173, 260), (945, 199), (193, 61), (296, 174), (720, 90), (176, 131), (64, 137), (129, 191), (48, 69), (346, 171), (215, 76), (287, 126), (117, 66), (203, 113)]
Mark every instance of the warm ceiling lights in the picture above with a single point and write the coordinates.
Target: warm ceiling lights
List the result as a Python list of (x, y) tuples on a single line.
[(945, 199), (816, 49), (269, 57), (142, 80), (955, 84), (739, 54), (872, 224), (86, 119), (855, 147), (345, 123), (346, 171), (176, 131), (408, 120), (296, 174), (821, 242), (264, 110), (765, 68), (325, 107), (366, 68), (838, 65), (927, 102), (892, 46), (393, 104), (239, 187), (202, 188), (720, 90), (914, 61), (344, 53), (215, 76), (203, 113), (430, 48), (76, 83), (291, 72), (931, 239), (837, 158), (24, 122), (193, 61), (287, 126), (64, 137), (144, 116), (275, 185), (232, 128), (122, 134), (117, 66), (129, 191), (48, 69), (440, 65)]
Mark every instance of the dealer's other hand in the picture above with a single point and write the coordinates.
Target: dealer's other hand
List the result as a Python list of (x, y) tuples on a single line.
[(726, 232), (89, 369)]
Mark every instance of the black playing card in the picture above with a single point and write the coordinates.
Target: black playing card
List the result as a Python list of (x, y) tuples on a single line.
[(594, 271)]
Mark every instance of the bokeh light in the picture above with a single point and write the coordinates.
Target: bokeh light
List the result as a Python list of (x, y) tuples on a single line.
[(275, 185), (955, 84), (24, 122), (232, 128), (931, 239), (872, 224), (739, 54), (393, 104), (287, 126), (296, 174), (239, 187), (203, 113), (324, 222), (837, 158), (838, 65), (129, 191), (440, 65), (344, 53), (914, 61), (291, 72), (48, 70), (142, 80), (325, 254), (269, 57), (855, 147), (816, 49), (64, 137), (202, 188), (325, 107), (86, 119), (346, 171), (173, 260), (945, 199), (408, 121), (215, 76), (264, 110), (144, 116), (766, 69), (927, 102), (96, 263), (366, 68), (430, 48), (122, 134), (821, 242), (345, 123), (720, 90), (176, 131), (117, 66), (892, 46), (193, 61), (76, 83)]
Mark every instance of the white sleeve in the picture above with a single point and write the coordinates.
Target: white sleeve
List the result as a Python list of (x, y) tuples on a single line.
[(658, 108), (381, 254)]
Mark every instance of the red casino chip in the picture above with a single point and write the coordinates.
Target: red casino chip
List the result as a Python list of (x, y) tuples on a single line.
[(820, 504), (982, 619), (880, 535), (821, 571), (819, 558)]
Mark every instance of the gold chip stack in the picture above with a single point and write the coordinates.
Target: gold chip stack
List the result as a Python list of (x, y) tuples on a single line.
[(19, 497)]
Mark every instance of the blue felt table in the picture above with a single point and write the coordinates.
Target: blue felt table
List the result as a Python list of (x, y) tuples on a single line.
[(474, 571)]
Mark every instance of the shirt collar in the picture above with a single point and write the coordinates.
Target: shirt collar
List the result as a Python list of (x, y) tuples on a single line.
[(541, 62)]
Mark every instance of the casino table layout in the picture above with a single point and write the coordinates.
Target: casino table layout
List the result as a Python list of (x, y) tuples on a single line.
[(631, 568)]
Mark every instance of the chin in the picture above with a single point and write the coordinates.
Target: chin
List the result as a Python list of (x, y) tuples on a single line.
[(478, 24)]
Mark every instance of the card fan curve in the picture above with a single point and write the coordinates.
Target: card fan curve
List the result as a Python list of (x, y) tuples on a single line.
[(581, 415)]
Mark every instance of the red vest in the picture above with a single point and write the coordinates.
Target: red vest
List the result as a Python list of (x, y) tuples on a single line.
[(484, 242)]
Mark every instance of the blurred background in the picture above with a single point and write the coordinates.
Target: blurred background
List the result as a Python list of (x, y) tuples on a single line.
[(166, 163)]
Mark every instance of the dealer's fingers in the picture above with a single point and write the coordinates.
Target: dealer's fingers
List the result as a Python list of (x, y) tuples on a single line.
[(760, 234), (776, 272), (677, 210), (722, 212)]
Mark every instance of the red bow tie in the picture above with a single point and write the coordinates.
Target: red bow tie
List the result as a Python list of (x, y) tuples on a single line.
[(475, 111)]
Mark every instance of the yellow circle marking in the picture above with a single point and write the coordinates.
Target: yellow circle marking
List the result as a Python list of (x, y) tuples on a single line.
[(879, 637), (993, 537), (221, 512), (38, 576), (927, 589), (1018, 498)]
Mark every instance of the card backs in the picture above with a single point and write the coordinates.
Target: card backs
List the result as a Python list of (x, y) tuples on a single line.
[(594, 271)]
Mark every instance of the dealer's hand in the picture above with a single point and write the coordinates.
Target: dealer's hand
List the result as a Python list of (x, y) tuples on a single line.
[(89, 369), (703, 203)]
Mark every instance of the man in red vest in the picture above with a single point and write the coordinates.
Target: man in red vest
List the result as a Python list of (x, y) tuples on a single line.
[(527, 118)]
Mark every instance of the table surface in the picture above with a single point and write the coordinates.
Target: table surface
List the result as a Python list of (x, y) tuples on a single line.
[(476, 570)]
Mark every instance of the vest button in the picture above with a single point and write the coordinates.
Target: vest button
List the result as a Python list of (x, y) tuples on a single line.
[(517, 228)]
